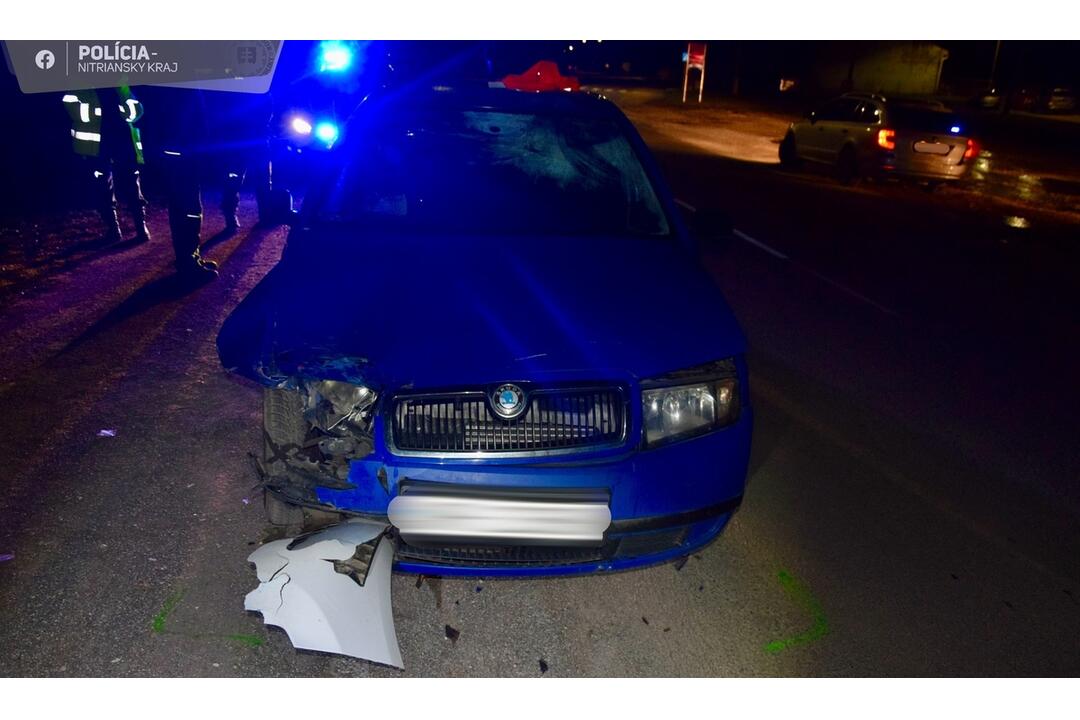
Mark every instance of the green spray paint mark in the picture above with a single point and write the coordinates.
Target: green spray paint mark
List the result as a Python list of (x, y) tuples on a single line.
[(170, 604), (249, 640), (158, 625), (802, 595)]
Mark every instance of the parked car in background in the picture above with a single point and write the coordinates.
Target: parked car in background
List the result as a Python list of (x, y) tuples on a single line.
[(864, 135), (1060, 99), (989, 99)]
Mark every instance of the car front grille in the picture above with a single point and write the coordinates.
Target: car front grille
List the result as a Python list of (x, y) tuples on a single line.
[(503, 555), (555, 421), (617, 547)]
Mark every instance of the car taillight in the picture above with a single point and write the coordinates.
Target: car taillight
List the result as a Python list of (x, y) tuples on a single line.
[(885, 139), (972, 149)]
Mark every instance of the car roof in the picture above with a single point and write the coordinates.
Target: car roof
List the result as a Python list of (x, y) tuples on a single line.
[(909, 102)]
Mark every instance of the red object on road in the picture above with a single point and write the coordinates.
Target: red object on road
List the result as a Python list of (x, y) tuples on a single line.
[(544, 76)]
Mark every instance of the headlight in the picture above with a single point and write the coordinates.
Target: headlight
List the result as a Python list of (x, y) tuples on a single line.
[(331, 402), (673, 409)]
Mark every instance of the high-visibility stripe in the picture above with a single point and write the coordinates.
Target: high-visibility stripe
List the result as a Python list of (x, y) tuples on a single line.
[(138, 145), (71, 98), (91, 137), (84, 112), (132, 109)]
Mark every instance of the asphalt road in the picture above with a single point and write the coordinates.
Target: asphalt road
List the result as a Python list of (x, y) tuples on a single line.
[(911, 506)]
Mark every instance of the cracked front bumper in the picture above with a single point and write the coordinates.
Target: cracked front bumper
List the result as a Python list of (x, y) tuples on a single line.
[(664, 503)]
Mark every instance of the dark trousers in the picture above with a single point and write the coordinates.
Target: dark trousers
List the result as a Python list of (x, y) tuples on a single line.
[(250, 166), (185, 206), (107, 174)]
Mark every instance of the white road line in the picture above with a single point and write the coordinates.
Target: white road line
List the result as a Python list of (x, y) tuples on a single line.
[(853, 293), (777, 254), (759, 245), (824, 278)]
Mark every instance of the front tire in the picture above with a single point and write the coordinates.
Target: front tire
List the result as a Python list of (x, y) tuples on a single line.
[(284, 425)]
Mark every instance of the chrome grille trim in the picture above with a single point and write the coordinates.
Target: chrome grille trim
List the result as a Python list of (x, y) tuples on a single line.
[(558, 421)]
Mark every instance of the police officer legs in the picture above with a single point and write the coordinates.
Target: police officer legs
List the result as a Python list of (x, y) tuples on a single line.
[(105, 192), (186, 215), (230, 197), (103, 132)]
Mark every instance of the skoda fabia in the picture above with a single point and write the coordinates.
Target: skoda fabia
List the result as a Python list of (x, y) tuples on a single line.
[(489, 329)]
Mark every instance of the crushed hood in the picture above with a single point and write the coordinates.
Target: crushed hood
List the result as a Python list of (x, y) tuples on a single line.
[(441, 311)]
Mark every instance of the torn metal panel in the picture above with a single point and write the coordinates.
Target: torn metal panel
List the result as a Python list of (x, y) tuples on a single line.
[(330, 591), (311, 432)]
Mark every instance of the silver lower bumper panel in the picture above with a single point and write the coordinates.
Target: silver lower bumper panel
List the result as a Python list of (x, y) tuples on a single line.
[(471, 517)]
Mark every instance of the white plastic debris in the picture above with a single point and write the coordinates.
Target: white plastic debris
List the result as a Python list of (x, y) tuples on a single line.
[(107, 432), (319, 594)]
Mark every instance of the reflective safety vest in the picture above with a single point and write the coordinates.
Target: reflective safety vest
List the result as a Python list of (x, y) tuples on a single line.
[(84, 108)]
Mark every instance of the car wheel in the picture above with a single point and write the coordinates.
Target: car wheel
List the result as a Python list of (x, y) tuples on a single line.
[(284, 425), (847, 166), (789, 156)]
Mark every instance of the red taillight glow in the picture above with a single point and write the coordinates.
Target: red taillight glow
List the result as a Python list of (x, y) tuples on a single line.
[(885, 139), (972, 149)]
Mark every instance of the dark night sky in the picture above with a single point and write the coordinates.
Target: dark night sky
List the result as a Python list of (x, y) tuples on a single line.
[(40, 125)]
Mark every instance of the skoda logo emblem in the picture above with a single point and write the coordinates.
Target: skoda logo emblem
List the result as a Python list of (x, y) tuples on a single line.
[(508, 401)]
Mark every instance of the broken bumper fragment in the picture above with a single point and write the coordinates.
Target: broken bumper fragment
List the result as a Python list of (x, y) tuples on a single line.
[(330, 591)]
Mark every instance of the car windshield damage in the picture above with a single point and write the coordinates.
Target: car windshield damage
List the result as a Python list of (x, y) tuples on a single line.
[(479, 171)]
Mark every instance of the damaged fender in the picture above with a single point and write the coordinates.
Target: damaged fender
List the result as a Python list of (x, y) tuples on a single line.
[(330, 591)]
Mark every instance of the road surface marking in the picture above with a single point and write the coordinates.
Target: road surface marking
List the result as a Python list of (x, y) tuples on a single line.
[(801, 594), (824, 278), (781, 256), (759, 245), (853, 293)]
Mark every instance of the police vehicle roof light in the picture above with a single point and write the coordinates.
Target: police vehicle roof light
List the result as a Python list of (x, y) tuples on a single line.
[(326, 132), (300, 125), (334, 56)]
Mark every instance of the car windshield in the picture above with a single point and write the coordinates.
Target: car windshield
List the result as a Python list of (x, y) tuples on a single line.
[(483, 171)]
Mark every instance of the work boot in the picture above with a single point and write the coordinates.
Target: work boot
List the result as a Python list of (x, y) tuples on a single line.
[(111, 222), (207, 263), (112, 235), (142, 233), (197, 270)]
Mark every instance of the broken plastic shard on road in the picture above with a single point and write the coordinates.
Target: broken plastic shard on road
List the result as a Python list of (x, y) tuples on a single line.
[(302, 591)]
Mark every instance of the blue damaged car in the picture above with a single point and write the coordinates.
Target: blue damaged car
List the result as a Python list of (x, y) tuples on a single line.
[(489, 328)]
